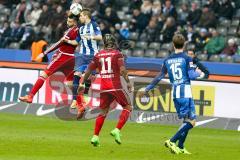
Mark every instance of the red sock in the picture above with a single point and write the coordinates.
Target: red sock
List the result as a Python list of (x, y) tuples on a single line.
[(99, 123), (80, 100), (123, 118), (37, 86)]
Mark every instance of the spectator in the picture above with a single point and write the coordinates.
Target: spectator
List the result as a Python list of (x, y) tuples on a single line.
[(208, 18), (225, 10), (57, 22), (27, 38), (39, 46), (194, 14), (156, 8), (135, 4), (35, 14), (139, 21), (231, 49), (183, 14), (151, 31), (191, 35), (15, 35), (20, 11), (5, 31), (201, 39), (111, 16), (215, 45), (104, 28), (197, 63), (146, 7), (213, 5), (168, 30), (124, 31), (169, 10), (45, 17)]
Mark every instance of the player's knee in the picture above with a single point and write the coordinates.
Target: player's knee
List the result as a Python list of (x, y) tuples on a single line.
[(193, 122), (44, 75)]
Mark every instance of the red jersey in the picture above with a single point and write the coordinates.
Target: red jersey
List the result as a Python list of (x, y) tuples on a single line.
[(108, 63), (63, 47)]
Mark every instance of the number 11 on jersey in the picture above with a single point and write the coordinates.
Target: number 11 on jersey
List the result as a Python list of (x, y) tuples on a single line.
[(109, 65)]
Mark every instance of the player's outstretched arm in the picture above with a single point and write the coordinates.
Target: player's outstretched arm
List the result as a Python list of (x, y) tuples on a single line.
[(71, 42), (157, 79)]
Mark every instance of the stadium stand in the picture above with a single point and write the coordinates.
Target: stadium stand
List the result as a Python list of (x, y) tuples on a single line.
[(149, 24)]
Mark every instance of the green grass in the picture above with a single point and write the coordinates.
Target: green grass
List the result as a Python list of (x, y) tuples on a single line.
[(46, 138)]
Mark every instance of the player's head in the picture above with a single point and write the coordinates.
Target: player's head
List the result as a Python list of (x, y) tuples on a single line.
[(178, 41), (109, 41), (85, 15), (191, 53), (72, 20)]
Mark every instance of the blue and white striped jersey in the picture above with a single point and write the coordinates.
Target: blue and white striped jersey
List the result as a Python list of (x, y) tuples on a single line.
[(88, 47), (180, 70)]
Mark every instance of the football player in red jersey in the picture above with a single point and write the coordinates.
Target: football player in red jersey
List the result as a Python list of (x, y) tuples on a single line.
[(63, 59), (110, 64)]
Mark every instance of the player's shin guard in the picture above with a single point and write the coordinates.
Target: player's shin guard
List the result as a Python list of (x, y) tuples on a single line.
[(123, 118), (38, 84), (182, 140), (99, 123), (76, 79), (186, 126)]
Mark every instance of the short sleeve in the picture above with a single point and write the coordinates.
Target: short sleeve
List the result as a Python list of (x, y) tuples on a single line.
[(96, 28)]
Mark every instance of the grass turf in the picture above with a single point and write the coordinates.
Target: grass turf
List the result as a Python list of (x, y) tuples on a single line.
[(45, 138)]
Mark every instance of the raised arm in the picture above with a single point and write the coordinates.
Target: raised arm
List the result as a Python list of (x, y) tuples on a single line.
[(72, 42)]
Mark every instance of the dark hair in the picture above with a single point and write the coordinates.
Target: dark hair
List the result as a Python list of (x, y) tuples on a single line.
[(74, 17), (178, 41), (87, 12), (109, 41)]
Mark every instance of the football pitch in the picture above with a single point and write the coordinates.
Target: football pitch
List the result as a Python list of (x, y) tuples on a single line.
[(46, 138)]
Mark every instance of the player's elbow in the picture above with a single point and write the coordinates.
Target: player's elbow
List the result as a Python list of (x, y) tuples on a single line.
[(192, 74), (75, 43)]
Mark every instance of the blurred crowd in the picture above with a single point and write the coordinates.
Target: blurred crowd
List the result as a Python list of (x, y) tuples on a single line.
[(210, 26)]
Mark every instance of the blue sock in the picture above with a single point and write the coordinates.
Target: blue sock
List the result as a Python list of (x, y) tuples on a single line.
[(186, 126), (75, 86), (182, 140)]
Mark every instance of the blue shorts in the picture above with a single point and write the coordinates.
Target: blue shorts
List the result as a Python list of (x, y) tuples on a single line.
[(82, 62), (185, 108)]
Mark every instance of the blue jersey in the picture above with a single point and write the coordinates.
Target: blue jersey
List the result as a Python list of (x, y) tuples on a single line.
[(180, 71), (88, 47)]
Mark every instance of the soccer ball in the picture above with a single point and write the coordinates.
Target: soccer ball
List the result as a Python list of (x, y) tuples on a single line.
[(75, 8)]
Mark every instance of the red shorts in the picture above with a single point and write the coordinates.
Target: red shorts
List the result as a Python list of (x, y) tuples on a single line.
[(62, 63), (106, 98)]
